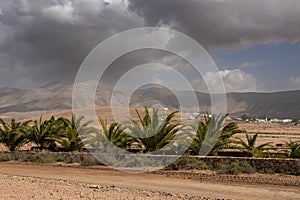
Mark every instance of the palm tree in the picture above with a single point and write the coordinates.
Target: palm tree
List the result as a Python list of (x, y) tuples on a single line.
[(71, 131), (211, 135), (112, 134), (42, 133), (225, 140), (151, 132), (293, 149), (250, 147), (13, 135)]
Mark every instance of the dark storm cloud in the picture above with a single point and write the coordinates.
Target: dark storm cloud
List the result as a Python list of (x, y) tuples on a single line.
[(225, 23), (44, 40), (48, 39)]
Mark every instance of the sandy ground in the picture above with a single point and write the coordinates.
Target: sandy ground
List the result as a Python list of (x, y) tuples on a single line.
[(44, 181)]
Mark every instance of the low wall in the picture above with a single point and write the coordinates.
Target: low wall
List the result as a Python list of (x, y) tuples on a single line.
[(276, 165), (271, 165), (49, 157)]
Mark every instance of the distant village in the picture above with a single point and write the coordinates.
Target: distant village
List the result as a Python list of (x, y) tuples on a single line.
[(245, 118), (266, 120)]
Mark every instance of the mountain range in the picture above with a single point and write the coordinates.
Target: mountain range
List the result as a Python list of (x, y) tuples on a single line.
[(55, 97)]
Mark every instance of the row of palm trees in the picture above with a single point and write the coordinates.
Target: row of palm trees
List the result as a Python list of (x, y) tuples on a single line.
[(45, 134), (149, 133)]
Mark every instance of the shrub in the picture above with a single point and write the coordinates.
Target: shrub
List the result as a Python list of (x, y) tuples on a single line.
[(187, 163), (236, 167)]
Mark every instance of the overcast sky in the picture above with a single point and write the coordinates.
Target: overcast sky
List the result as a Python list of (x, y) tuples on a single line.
[(255, 43)]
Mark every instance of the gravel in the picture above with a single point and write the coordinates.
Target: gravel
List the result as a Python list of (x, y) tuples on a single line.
[(18, 187)]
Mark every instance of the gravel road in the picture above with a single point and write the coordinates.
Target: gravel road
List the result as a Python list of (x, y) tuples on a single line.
[(44, 181)]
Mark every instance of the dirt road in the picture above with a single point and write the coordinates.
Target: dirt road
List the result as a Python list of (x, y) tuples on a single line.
[(37, 181)]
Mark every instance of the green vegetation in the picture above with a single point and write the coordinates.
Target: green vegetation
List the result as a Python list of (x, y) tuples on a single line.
[(293, 149), (112, 134), (186, 162), (213, 131), (237, 167), (42, 133), (250, 147), (149, 133), (13, 135), (70, 132)]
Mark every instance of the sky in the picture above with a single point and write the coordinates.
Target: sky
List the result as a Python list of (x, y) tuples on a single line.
[(255, 43)]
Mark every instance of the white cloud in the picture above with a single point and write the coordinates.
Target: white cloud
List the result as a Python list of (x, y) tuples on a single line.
[(293, 83), (234, 80), (60, 13)]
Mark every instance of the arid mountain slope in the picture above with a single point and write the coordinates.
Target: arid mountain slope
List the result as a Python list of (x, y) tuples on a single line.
[(55, 97)]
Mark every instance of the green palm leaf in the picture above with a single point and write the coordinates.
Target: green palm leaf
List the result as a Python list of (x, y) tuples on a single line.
[(151, 132), (72, 132), (13, 135), (212, 135), (249, 146)]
